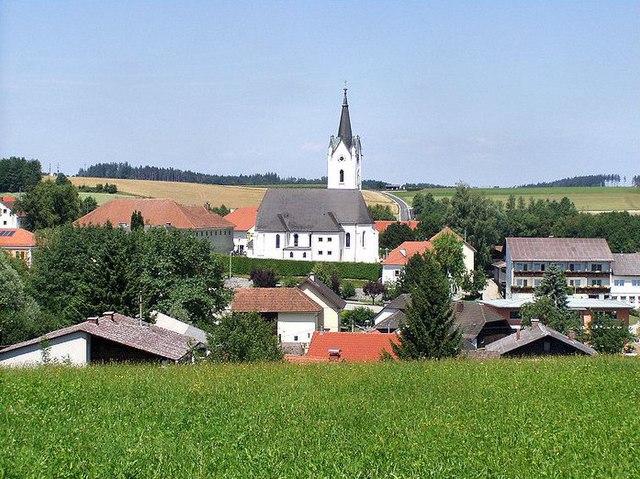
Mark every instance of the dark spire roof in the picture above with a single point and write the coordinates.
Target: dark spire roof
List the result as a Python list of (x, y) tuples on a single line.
[(344, 130)]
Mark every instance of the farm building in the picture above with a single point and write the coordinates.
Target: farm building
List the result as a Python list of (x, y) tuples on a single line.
[(295, 315), (18, 242), (110, 338), (196, 220), (244, 221), (332, 304), (538, 340)]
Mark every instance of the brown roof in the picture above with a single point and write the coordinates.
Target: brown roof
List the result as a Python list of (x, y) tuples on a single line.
[(16, 238), (626, 264), (534, 333), (243, 218), (273, 300), (382, 225), (127, 331), (401, 255), (559, 249), (354, 347), (156, 212)]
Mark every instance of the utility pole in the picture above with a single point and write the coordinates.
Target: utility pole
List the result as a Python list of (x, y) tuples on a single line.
[(140, 304)]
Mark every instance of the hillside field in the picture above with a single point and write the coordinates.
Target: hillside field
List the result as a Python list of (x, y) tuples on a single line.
[(199, 194), (560, 418), (594, 199)]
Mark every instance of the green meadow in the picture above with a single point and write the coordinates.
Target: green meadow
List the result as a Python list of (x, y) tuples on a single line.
[(585, 198), (561, 418)]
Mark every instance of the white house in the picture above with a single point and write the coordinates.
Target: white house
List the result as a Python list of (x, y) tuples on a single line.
[(110, 338), (314, 225), (8, 217), (294, 314), (625, 278), (244, 220), (586, 263), (332, 304)]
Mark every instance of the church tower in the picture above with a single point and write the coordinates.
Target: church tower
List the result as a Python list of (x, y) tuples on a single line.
[(345, 155)]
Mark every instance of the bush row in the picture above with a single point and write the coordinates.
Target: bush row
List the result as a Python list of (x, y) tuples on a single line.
[(244, 265)]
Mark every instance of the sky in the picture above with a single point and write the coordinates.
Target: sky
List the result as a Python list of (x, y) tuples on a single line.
[(489, 93)]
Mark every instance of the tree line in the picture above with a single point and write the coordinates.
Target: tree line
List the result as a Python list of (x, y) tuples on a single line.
[(18, 174), (586, 180)]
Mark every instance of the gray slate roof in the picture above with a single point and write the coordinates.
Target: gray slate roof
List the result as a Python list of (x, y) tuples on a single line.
[(311, 210), (323, 290), (559, 249), (472, 317), (534, 333), (127, 331), (626, 264)]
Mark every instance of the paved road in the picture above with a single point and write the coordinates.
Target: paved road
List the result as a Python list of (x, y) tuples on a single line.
[(405, 209)]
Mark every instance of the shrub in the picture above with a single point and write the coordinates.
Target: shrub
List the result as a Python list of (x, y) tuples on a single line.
[(263, 278), (358, 317), (348, 290), (244, 337)]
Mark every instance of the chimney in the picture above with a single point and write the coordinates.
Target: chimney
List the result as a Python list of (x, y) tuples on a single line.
[(571, 334), (93, 319), (535, 323), (518, 334), (403, 252), (109, 314)]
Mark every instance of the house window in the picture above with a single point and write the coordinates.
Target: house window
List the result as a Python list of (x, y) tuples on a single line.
[(575, 282), (329, 253), (635, 282), (320, 239), (329, 239), (596, 282), (291, 254), (514, 314), (304, 254), (319, 253), (623, 298), (363, 239), (596, 267), (295, 239), (396, 272), (619, 282), (277, 241), (295, 338), (536, 282), (341, 176), (347, 240)]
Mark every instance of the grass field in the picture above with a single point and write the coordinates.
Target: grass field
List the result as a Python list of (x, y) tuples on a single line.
[(198, 194), (586, 199), (561, 418)]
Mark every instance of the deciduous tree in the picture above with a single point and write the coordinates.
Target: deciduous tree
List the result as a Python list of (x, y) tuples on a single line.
[(243, 337)]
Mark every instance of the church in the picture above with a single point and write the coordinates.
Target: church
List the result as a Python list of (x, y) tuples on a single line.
[(314, 224)]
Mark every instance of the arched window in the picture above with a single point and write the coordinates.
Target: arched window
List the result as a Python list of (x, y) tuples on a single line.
[(347, 240), (341, 176), (277, 241), (363, 239), (291, 255), (295, 239)]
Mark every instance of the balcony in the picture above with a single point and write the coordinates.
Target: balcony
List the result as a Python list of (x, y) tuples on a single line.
[(567, 273)]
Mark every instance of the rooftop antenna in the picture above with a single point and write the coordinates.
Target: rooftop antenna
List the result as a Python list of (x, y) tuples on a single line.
[(140, 304)]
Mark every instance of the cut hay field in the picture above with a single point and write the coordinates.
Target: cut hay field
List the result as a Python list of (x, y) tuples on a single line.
[(593, 199), (199, 194), (560, 418)]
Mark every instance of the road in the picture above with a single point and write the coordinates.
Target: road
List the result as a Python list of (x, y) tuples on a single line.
[(405, 209)]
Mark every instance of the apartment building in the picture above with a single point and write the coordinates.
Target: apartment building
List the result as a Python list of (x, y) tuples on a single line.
[(625, 278)]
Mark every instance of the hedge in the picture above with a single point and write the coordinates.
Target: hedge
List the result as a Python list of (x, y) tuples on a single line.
[(243, 265)]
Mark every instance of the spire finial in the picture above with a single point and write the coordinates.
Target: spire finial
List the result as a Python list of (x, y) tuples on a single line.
[(344, 100)]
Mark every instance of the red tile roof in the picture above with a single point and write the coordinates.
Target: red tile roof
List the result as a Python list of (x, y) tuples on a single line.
[(156, 212), (354, 347), (16, 238), (273, 300), (447, 230), (383, 225), (8, 201), (401, 255), (243, 218), (127, 331)]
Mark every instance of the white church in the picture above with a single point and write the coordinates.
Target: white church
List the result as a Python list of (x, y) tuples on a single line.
[(312, 224)]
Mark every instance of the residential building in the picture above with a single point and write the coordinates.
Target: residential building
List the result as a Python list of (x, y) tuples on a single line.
[(398, 258), (244, 221), (295, 315), (314, 225), (625, 278), (8, 216), (381, 226), (332, 304), (537, 340), (585, 307), (345, 154), (195, 220), (18, 242), (172, 324), (110, 338), (586, 263), (350, 347)]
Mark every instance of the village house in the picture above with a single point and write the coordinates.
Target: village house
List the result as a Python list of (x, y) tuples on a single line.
[(9, 218), (586, 262), (347, 347), (165, 213), (112, 337), (244, 221), (332, 304), (625, 278), (382, 225), (18, 243)]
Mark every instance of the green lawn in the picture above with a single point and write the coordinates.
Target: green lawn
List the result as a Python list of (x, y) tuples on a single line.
[(585, 199), (502, 418)]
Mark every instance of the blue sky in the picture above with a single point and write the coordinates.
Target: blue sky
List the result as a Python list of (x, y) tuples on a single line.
[(491, 93)]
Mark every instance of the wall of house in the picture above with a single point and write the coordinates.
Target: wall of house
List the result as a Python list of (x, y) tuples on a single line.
[(391, 273), (220, 239), (8, 219), (329, 318), (469, 258), (296, 327), (626, 288), (24, 254), (74, 348), (240, 240)]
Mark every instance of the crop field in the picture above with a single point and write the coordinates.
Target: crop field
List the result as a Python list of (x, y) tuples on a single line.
[(594, 199), (199, 194), (561, 418)]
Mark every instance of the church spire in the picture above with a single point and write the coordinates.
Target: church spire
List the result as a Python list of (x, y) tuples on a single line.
[(344, 130)]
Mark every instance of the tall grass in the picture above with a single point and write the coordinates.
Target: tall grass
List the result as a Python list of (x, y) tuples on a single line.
[(530, 418)]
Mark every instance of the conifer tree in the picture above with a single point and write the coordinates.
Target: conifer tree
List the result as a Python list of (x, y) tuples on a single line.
[(430, 330), (554, 286)]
